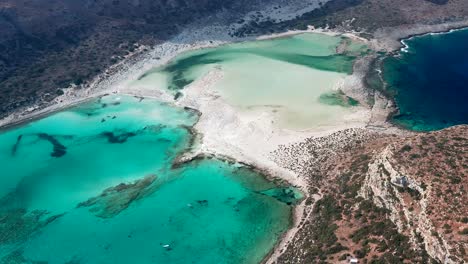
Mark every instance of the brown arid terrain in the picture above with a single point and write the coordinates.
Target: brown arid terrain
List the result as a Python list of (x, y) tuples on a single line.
[(384, 198)]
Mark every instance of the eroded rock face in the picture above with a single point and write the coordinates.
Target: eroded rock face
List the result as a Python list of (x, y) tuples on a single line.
[(115, 199), (391, 198), (382, 186), (338, 223), (422, 181)]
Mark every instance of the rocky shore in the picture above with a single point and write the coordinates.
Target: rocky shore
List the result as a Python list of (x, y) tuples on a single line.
[(335, 167)]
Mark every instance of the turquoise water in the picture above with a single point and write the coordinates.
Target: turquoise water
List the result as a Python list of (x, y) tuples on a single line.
[(430, 81), (287, 77), (95, 184)]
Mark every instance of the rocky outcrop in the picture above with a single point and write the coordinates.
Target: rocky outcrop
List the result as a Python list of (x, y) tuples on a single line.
[(386, 198), (112, 201), (384, 186), (404, 178)]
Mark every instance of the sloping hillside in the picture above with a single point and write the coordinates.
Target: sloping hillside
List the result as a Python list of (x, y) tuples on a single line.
[(46, 45), (384, 198)]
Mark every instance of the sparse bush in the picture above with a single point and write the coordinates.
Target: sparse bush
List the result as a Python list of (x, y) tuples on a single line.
[(406, 148)]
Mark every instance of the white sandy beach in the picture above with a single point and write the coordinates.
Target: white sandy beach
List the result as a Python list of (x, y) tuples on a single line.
[(248, 137)]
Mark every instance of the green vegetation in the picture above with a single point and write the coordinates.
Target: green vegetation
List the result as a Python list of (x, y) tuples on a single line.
[(322, 240), (178, 69), (415, 194), (464, 231), (338, 98), (335, 63), (406, 148), (329, 212)]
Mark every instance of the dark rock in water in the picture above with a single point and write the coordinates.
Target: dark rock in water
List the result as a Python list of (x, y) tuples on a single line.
[(285, 195), (177, 70), (15, 147), (17, 225), (122, 138), (338, 98), (59, 150), (230, 200), (17, 257), (202, 202), (115, 199), (177, 95), (155, 128)]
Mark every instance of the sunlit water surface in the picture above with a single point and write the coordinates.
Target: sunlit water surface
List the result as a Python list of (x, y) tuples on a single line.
[(297, 78), (95, 184)]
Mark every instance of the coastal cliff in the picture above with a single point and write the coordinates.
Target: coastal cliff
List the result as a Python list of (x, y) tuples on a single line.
[(376, 193), (391, 198), (421, 181)]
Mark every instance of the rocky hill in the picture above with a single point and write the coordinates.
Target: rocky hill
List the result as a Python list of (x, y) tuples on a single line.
[(369, 16), (383, 198), (379, 197), (49, 44)]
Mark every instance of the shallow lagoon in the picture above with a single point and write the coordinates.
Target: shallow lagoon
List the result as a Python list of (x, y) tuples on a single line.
[(288, 77), (95, 184)]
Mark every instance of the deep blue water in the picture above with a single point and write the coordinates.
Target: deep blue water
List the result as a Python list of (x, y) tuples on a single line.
[(429, 81)]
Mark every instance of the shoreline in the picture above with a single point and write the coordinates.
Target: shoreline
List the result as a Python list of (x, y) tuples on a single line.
[(239, 155), (63, 102), (94, 90), (267, 168), (47, 112), (398, 52), (37, 111), (402, 40), (389, 39)]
